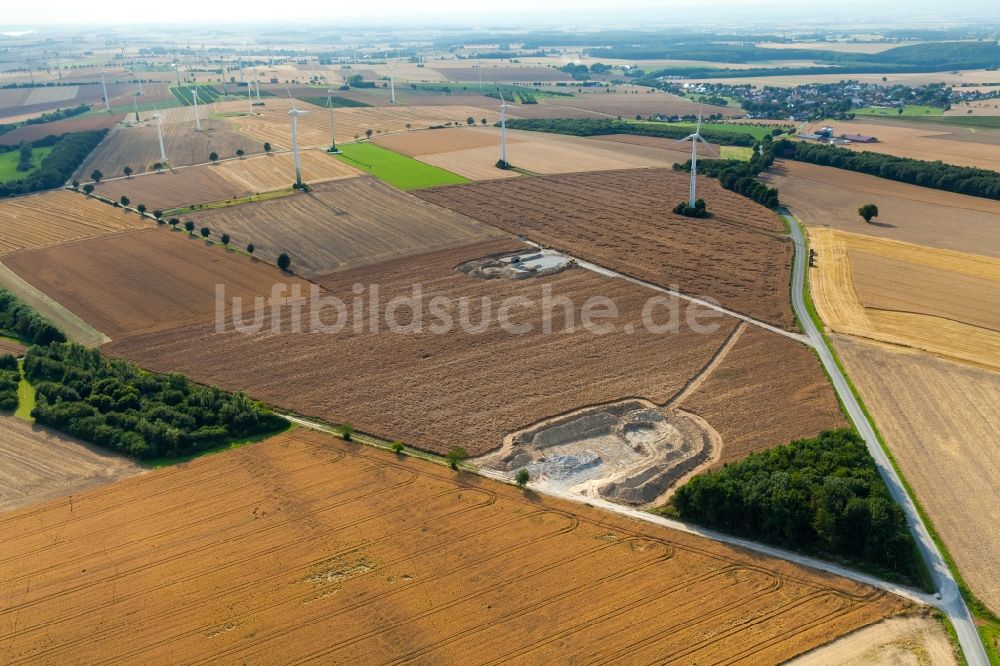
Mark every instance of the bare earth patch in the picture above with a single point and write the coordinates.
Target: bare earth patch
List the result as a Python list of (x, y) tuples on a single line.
[(902, 641)]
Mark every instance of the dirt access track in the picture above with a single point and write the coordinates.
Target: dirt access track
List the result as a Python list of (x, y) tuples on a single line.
[(257, 552), (472, 386), (622, 220)]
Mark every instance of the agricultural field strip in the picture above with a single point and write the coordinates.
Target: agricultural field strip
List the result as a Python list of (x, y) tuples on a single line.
[(668, 553), (607, 272), (948, 597), (72, 326)]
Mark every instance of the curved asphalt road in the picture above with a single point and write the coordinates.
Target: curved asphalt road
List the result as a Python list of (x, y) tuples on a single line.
[(949, 599)]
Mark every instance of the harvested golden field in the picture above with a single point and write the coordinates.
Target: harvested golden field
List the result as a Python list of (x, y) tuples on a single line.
[(939, 301), (951, 146), (611, 106), (37, 464), (225, 180), (433, 142), (827, 196), (940, 420), (344, 223), (983, 107), (794, 403), (542, 153), (258, 552), (147, 279), (57, 127), (622, 220), (58, 216), (138, 147), (274, 125)]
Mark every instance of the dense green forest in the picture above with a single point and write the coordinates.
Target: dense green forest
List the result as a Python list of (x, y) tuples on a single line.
[(17, 320), (821, 495), (117, 405), (68, 152), (10, 377), (948, 177), (595, 127)]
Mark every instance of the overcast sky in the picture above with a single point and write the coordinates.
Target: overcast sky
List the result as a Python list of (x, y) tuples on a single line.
[(18, 13)]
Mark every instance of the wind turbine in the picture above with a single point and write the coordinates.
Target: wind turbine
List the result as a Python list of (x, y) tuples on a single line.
[(197, 120), (104, 86), (694, 139), (295, 113), (392, 83), (159, 134), (135, 104), (249, 92), (333, 135), (503, 129)]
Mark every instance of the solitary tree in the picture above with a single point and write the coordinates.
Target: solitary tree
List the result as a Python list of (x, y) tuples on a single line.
[(88, 188), (158, 214), (157, 166), (267, 147), (899, 111), (470, 121), (408, 125), (124, 200), (284, 261), (225, 239), (868, 211), (397, 446), (484, 121), (455, 456), (76, 184), (174, 222), (96, 175), (250, 249), (522, 477), (239, 152), (141, 208), (127, 171), (368, 133), (189, 226), (346, 431), (205, 232), (214, 156)]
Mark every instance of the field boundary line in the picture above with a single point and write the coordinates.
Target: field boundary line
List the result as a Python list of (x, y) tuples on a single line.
[(75, 328)]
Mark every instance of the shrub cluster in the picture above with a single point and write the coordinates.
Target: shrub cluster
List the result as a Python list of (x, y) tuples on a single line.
[(10, 377), (698, 210), (68, 152), (116, 404), (19, 321), (964, 180), (821, 495), (741, 177)]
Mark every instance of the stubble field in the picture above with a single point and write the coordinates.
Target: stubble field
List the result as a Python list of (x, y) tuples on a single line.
[(622, 220), (940, 420), (626, 105), (42, 130), (258, 552), (51, 218), (342, 224), (39, 464), (826, 196), (142, 280)]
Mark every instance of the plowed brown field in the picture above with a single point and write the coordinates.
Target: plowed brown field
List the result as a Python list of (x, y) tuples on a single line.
[(51, 218), (940, 420), (754, 408), (42, 130), (312, 549), (612, 106), (229, 179), (622, 220), (37, 464), (344, 223), (826, 196), (143, 280)]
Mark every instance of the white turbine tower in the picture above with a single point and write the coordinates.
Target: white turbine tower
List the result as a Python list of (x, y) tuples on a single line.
[(197, 120), (392, 83), (249, 93), (104, 86), (503, 129), (333, 134), (295, 113), (159, 135), (694, 139)]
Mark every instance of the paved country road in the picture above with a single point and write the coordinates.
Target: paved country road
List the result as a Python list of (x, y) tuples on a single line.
[(949, 600)]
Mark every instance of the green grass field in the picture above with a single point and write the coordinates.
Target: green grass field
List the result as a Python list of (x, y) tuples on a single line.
[(742, 153), (397, 170), (914, 110), (9, 160), (25, 399)]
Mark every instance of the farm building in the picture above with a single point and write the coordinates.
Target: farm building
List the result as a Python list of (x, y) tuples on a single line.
[(859, 138)]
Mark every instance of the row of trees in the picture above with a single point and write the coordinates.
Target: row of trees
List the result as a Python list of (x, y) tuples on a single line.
[(17, 320), (599, 127), (964, 180), (10, 377), (68, 152), (821, 495), (740, 176), (117, 405)]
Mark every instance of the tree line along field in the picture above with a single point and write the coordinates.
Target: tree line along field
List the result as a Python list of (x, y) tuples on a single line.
[(229, 179), (474, 402), (272, 124), (273, 543), (618, 220), (50, 218), (145, 279), (344, 223), (940, 301), (601, 105), (40, 464), (827, 196), (84, 123), (940, 421)]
